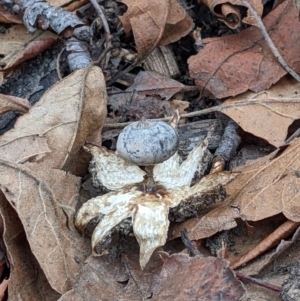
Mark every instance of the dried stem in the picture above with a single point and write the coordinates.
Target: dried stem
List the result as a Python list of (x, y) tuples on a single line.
[(150, 181), (57, 63), (187, 115), (261, 283), (102, 16), (187, 242), (270, 43)]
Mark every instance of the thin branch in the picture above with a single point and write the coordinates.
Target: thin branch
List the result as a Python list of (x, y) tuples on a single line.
[(189, 245), (270, 43), (187, 115), (58, 63), (258, 282), (102, 16)]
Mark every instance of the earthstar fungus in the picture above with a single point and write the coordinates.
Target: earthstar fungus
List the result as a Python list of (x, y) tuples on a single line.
[(146, 198)]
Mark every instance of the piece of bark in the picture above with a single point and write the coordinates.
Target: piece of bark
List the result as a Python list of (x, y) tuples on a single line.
[(30, 81), (43, 15)]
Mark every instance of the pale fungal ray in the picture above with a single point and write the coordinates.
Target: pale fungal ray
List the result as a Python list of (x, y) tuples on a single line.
[(112, 171), (150, 227), (105, 205), (170, 174)]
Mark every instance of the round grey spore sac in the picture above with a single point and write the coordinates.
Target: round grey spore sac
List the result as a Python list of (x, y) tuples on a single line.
[(147, 142)]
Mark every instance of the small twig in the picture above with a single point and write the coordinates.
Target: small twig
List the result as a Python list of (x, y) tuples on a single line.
[(270, 43), (295, 135), (58, 65), (103, 54), (102, 17), (155, 90), (108, 37), (187, 115), (186, 241), (261, 283), (128, 69)]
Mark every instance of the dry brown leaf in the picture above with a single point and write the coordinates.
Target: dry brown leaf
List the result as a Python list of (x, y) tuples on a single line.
[(153, 83), (260, 113), (264, 188), (155, 22), (18, 45), (196, 278), (53, 132), (27, 281), (8, 17), (229, 13), (45, 202), (144, 97), (13, 103), (269, 186), (230, 65), (44, 198), (108, 282)]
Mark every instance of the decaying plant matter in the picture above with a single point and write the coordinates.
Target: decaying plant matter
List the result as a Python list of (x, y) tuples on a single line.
[(146, 201)]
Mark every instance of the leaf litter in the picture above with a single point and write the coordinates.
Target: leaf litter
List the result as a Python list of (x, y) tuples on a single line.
[(147, 97), (45, 207), (257, 113), (54, 143), (27, 280), (231, 65)]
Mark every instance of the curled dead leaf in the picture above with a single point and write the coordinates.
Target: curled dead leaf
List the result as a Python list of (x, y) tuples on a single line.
[(9, 17), (283, 231), (229, 13), (18, 45), (13, 103), (155, 23), (54, 131)]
